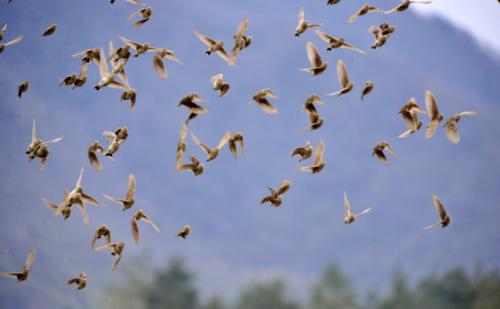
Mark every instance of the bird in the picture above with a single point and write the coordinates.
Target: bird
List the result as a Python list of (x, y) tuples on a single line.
[(2, 31), (92, 54), (365, 9), (332, 2), (236, 138), (107, 78), (158, 60), (315, 120), (334, 42), (410, 112), (49, 30), (10, 43), (65, 212), (140, 48), (116, 251), (444, 217), (69, 80), (128, 93), (386, 29), (435, 116), (241, 41), (22, 88), (367, 88), (261, 98), (212, 153), (382, 33), (218, 84), (186, 230), (343, 77), (304, 152), (140, 215), (38, 148), (213, 46), (121, 53), (22, 276), (405, 5), (190, 100), (303, 25), (129, 199), (318, 163), (195, 166), (378, 151), (145, 14), (451, 128), (349, 216), (80, 281), (275, 197), (91, 153), (318, 66), (115, 140), (101, 231)]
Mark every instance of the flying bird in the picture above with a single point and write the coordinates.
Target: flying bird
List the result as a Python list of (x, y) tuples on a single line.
[(275, 197), (145, 14), (332, 2), (349, 216), (382, 33), (347, 85), (303, 25), (101, 231), (318, 66), (367, 88), (22, 88), (92, 155), (365, 9), (213, 46), (444, 217), (129, 199), (195, 166), (405, 5), (10, 43), (38, 148), (186, 230), (315, 120), (190, 101), (212, 153), (234, 139), (158, 60), (116, 251), (261, 98), (218, 84), (304, 152), (115, 140), (241, 41), (49, 30), (378, 151), (107, 78), (318, 163), (451, 127), (22, 276), (80, 281), (140, 215), (334, 42), (410, 112), (435, 116)]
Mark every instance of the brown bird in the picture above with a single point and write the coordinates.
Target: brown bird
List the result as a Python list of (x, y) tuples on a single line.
[(213, 46), (334, 42), (145, 14), (190, 101), (386, 29), (444, 217), (343, 77), (80, 281), (10, 43), (405, 5), (38, 148), (381, 33), (236, 138), (315, 120), (304, 152), (275, 197), (365, 9), (261, 98), (140, 215), (410, 112), (195, 166), (368, 87), (140, 48), (102, 231), (318, 163), (22, 276), (218, 84), (91, 153), (186, 230), (332, 2), (212, 153), (303, 25), (158, 61), (318, 66), (434, 115), (115, 140), (241, 41), (129, 199), (116, 251), (378, 151), (349, 216), (22, 88), (66, 212), (49, 30), (451, 127)]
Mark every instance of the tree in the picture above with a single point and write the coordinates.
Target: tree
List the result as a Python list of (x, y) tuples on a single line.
[(333, 290), (400, 296), (266, 295)]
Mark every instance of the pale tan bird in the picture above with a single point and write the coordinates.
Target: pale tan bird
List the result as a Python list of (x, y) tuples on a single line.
[(318, 163), (2, 31), (365, 9), (386, 29), (115, 140), (213, 46), (334, 42), (69, 80), (451, 127), (315, 120), (212, 153), (121, 53), (66, 212), (128, 93), (367, 88), (22, 276), (275, 197), (190, 101), (158, 61), (318, 66), (129, 199), (234, 139), (49, 30), (107, 78), (218, 84), (241, 41), (346, 84), (140, 215), (101, 231), (22, 88), (378, 151), (195, 166), (410, 112), (332, 2), (435, 116), (38, 148), (92, 155), (92, 54), (261, 98), (303, 24), (380, 39), (304, 152), (140, 48), (349, 216), (181, 146), (80, 281), (145, 14), (10, 43), (444, 217), (116, 251), (186, 230), (405, 5)]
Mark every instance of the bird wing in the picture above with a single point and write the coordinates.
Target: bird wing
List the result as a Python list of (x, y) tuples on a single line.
[(159, 66), (103, 64), (242, 28), (200, 144), (313, 55), (439, 207), (116, 261), (84, 212), (318, 153), (301, 15), (325, 36), (33, 131), (347, 205), (266, 106), (14, 41), (131, 187), (29, 259), (89, 199), (431, 105), (129, 43), (55, 140), (148, 220), (225, 138), (451, 130), (79, 181), (110, 136), (135, 230), (342, 74), (206, 40)]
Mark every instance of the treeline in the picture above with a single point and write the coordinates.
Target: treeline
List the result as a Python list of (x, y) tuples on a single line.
[(174, 288)]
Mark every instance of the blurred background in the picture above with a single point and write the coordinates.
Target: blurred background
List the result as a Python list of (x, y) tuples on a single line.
[(241, 254)]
